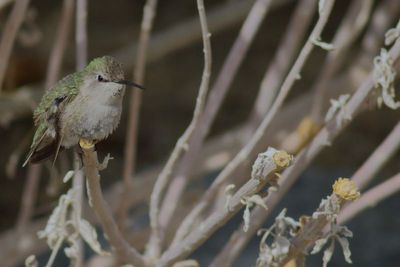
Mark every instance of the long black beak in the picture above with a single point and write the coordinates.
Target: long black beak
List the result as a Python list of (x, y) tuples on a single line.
[(129, 83)]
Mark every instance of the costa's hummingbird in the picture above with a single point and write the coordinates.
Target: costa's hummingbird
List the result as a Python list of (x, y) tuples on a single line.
[(84, 105)]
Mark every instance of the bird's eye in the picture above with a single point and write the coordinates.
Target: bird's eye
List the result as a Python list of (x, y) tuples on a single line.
[(100, 78)]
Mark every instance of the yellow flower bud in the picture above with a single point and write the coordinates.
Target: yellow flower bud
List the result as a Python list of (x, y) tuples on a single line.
[(346, 189)]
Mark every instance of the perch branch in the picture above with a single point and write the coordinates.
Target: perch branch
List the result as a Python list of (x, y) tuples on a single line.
[(123, 250)]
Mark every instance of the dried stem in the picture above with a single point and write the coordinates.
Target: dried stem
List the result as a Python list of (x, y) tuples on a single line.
[(4, 3), (348, 32), (294, 35), (251, 147), (10, 32), (149, 12), (60, 43), (378, 158), (183, 142), (370, 198), (264, 170), (238, 239), (33, 177), (124, 252), (28, 197), (219, 90), (81, 34), (81, 61)]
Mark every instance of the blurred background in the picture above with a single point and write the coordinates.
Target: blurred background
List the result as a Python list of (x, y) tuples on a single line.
[(173, 75)]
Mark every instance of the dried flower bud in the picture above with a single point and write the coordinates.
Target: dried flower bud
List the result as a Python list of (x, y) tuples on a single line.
[(282, 159), (346, 189)]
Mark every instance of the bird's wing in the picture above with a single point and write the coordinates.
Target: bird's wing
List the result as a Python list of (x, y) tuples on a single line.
[(46, 140)]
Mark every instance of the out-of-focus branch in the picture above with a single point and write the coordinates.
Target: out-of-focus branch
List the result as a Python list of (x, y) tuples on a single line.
[(279, 66), (81, 34), (251, 147), (4, 3), (130, 152), (220, 88), (60, 43), (10, 32), (28, 197), (81, 40), (378, 158), (34, 171), (370, 198), (124, 252), (183, 142), (185, 33)]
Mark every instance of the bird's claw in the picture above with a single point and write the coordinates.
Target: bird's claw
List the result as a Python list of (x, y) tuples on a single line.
[(86, 143)]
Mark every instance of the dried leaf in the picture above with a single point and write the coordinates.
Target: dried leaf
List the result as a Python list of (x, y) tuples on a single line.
[(31, 261), (246, 218), (323, 45), (328, 254), (89, 234), (68, 176), (344, 243), (319, 244)]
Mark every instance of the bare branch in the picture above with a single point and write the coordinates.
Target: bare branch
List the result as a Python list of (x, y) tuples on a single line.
[(218, 93), (124, 251), (60, 43), (183, 142), (149, 12), (264, 171), (370, 198), (378, 158), (10, 32), (279, 66), (238, 240), (251, 147)]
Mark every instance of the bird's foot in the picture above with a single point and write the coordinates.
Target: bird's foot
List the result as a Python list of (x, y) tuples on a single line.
[(86, 143)]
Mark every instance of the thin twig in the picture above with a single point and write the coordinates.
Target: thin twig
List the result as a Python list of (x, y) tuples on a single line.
[(378, 158), (238, 239), (28, 197), (348, 32), (184, 33), (183, 142), (10, 32), (81, 61), (124, 251), (370, 198), (4, 3), (264, 171), (219, 90), (81, 34), (33, 177), (251, 147), (149, 12), (273, 77), (60, 43)]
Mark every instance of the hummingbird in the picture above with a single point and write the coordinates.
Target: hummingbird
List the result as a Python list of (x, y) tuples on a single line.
[(85, 105)]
